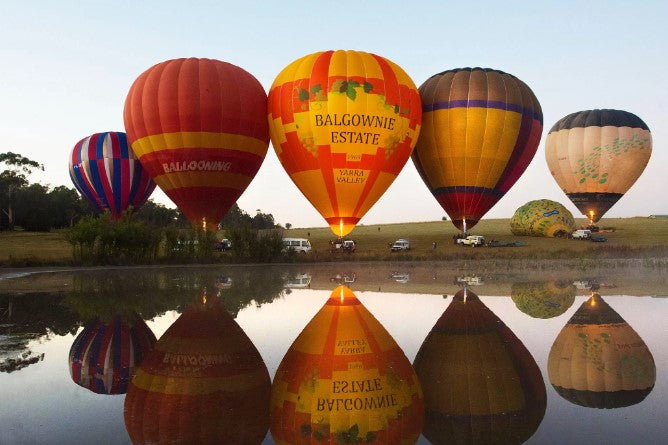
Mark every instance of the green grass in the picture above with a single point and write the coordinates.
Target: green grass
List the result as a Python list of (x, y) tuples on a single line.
[(34, 248), (632, 237), (640, 238)]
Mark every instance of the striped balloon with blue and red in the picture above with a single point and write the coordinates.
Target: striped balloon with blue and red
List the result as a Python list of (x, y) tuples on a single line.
[(104, 356), (107, 173)]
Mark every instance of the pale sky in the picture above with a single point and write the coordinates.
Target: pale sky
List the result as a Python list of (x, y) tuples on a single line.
[(66, 68)]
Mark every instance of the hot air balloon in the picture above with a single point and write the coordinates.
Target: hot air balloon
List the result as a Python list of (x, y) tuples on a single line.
[(599, 361), (481, 128), (543, 299), (481, 384), (596, 155), (204, 382), (542, 217), (107, 174), (343, 124), (104, 356), (199, 127), (345, 380)]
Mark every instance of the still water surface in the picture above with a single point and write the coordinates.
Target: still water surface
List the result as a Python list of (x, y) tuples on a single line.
[(551, 357)]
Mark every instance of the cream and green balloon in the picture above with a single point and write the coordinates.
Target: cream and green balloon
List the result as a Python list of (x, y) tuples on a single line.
[(542, 217), (596, 155)]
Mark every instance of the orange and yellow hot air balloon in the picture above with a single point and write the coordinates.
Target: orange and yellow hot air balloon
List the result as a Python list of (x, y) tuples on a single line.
[(481, 129), (199, 128), (343, 124)]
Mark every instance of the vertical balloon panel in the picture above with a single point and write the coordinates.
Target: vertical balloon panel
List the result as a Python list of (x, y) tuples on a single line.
[(481, 129), (345, 380), (596, 156), (199, 127), (204, 382), (108, 175), (481, 384), (599, 361), (343, 124)]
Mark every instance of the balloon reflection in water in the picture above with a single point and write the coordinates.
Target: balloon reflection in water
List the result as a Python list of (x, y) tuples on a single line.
[(481, 384), (543, 300), (599, 361), (345, 380), (204, 382), (104, 356)]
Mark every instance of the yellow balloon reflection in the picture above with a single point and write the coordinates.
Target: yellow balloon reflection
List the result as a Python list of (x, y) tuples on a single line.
[(345, 380), (543, 299), (205, 382), (481, 384), (599, 361)]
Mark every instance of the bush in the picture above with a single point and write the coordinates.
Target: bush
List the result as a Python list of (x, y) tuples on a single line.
[(252, 245), (104, 240)]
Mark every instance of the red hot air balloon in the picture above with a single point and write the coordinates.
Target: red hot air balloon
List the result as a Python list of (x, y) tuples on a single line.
[(199, 126), (104, 356), (108, 175)]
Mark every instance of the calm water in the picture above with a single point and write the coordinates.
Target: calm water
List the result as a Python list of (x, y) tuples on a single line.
[(550, 357)]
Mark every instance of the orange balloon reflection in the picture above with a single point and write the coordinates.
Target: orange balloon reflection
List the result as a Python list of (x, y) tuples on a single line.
[(345, 380), (481, 384)]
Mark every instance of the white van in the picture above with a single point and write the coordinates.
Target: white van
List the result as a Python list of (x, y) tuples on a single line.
[(297, 244)]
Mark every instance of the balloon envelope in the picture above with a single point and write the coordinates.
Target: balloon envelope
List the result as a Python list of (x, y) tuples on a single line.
[(204, 382), (596, 155), (345, 380), (343, 124), (481, 128), (542, 217), (481, 384), (599, 361), (104, 356), (107, 173), (199, 127), (543, 299)]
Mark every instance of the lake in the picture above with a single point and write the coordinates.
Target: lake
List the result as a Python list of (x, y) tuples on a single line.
[(349, 352)]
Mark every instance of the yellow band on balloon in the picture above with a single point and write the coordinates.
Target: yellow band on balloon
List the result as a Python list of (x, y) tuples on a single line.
[(199, 139), (193, 386), (177, 180)]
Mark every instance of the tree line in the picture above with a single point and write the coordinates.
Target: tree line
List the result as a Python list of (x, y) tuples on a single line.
[(41, 208)]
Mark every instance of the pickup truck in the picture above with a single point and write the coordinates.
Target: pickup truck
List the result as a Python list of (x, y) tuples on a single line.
[(472, 240)]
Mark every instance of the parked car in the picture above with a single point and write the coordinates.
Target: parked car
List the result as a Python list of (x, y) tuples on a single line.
[(223, 245), (472, 240), (343, 245), (400, 244), (581, 234), (301, 245), (598, 239)]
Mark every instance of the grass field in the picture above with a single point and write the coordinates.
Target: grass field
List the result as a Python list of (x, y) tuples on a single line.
[(630, 238)]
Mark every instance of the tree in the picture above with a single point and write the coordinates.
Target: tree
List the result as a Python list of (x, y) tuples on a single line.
[(12, 179), (288, 226)]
